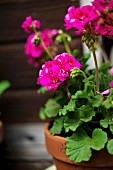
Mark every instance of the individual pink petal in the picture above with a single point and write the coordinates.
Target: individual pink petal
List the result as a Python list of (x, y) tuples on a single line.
[(104, 92)]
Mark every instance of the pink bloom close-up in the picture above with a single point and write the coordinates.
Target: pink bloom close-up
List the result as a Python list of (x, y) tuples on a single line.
[(29, 23), (31, 49), (80, 18), (100, 5), (47, 36), (111, 84), (36, 51), (55, 72)]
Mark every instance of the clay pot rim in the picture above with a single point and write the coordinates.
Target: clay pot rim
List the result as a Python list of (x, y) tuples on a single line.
[(57, 137)]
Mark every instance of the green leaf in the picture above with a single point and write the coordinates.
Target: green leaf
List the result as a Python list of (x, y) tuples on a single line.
[(85, 58), (67, 108), (72, 123), (97, 100), (110, 146), (108, 103), (79, 145), (86, 112), (74, 119), (107, 121), (4, 85), (42, 113), (111, 128), (42, 90), (52, 108), (99, 138), (75, 53), (57, 126), (79, 94)]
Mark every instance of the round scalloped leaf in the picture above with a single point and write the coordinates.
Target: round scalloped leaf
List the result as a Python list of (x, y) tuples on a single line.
[(99, 138), (110, 146), (79, 145)]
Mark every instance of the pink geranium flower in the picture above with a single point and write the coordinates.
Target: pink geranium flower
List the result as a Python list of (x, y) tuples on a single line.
[(55, 72), (31, 49), (111, 84), (35, 51), (102, 5), (29, 23), (80, 18)]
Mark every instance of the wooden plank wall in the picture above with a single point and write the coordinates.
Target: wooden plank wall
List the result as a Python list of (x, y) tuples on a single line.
[(21, 103)]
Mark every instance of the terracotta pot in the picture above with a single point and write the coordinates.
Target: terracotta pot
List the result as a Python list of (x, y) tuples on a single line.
[(55, 147), (1, 131)]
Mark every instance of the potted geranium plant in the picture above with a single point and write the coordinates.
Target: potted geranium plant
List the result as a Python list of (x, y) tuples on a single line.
[(81, 128)]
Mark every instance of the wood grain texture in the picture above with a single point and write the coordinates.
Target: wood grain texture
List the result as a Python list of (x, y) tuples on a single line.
[(24, 147), (22, 106), (25, 142)]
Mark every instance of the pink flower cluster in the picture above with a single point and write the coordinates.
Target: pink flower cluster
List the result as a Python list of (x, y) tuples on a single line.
[(95, 18), (80, 18), (29, 23), (55, 72), (33, 50)]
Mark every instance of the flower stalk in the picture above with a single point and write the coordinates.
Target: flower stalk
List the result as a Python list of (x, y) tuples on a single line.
[(66, 45), (46, 49), (96, 68)]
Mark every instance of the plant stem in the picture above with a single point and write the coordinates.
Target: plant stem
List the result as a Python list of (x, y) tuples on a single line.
[(83, 74), (66, 45), (46, 49), (43, 44), (96, 67)]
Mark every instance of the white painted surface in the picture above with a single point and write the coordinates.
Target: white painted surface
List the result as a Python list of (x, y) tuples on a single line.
[(51, 168)]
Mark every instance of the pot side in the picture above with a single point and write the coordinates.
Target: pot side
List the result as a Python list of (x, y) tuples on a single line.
[(55, 147)]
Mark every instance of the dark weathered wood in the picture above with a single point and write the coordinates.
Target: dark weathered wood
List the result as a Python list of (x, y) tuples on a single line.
[(12, 13), (25, 142), (15, 68), (18, 165), (22, 106)]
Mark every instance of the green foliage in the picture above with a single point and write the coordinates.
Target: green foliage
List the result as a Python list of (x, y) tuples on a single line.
[(79, 145), (110, 146), (67, 108), (4, 85), (50, 109), (84, 60), (57, 126), (97, 100), (75, 53), (42, 90)]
